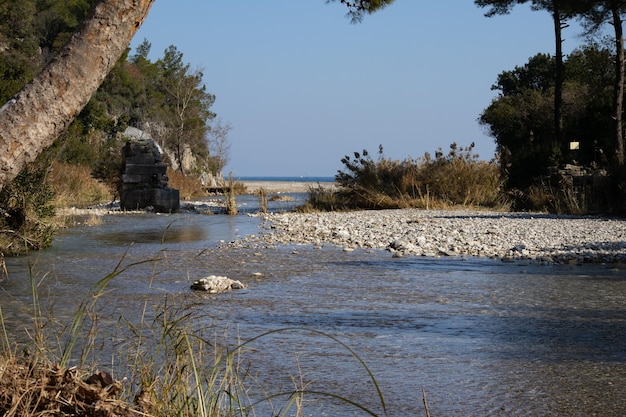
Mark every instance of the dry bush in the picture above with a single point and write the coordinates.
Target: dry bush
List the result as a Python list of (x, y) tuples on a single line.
[(189, 186), (231, 201), (38, 388), (237, 187), (460, 178), (456, 178), (263, 200), (74, 186), (26, 211)]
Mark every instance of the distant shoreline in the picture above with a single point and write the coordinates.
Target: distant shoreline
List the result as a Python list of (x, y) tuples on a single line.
[(272, 178), (282, 186)]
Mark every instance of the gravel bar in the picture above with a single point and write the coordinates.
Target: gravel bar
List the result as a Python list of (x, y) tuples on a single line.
[(508, 236)]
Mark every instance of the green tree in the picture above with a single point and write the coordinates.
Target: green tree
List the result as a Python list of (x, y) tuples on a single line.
[(186, 109), (520, 117), (150, 98), (57, 20), (357, 9), (561, 11), (598, 14), (19, 49), (588, 97)]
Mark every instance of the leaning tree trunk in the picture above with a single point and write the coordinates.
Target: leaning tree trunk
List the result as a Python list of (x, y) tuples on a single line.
[(618, 93), (42, 110), (558, 77)]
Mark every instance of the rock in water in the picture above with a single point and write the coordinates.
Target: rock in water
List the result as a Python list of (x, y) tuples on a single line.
[(216, 284)]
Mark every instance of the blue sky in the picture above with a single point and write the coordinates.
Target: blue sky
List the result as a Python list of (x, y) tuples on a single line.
[(302, 86)]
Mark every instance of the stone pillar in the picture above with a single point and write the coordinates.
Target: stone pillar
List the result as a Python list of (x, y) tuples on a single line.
[(144, 178)]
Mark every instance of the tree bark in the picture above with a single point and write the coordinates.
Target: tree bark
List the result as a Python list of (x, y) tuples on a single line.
[(43, 109), (618, 94), (559, 76)]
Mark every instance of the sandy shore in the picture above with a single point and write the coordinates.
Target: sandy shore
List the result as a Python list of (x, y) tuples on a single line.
[(283, 186)]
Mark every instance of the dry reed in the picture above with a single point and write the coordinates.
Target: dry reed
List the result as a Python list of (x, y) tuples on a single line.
[(189, 186), (74, 186)]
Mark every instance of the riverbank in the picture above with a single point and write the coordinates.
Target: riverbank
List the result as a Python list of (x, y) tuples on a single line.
[(508, 236), (503, 235)]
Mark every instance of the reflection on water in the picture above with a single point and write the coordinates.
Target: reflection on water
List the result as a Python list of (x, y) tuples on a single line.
[(481, 337)]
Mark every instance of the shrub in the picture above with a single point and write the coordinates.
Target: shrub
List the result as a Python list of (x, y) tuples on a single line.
[(231, 201), (263, 200), (26, 211), (565, 192), (322, 198), (461, 178), (455, 178), (74, 185), (189, 186)]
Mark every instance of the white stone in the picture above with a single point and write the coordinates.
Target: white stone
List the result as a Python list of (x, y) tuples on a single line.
[(216, 284)]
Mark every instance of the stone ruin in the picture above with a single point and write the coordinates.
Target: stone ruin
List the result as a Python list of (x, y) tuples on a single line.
[(144, 178)]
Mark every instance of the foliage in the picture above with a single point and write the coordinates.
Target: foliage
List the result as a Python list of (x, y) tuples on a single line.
[(456, 178), (322, 198), (357, 9), (31, 32), (520, 117), (75, 186), (519, 120), (166, 98), (189, 186), (564, 193), (26, 211), (583, 93), (185, 118)]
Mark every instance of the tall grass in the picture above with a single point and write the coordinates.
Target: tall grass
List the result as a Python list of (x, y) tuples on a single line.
[(563, 193), (456, 178), (74, 186), (170, 367), (263, 200), (230, 194), (189, 186), (186, 374)]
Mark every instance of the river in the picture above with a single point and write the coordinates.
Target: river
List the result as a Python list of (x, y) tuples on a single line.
[(480, 337)]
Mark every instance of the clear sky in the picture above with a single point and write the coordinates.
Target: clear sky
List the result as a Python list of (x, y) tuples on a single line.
[(302, 86)]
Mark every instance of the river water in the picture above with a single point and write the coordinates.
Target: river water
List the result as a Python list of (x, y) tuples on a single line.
[(480, 337)]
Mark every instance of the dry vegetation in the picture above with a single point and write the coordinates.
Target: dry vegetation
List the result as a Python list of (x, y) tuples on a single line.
[(32, 388), (189, 186), (458, 178), (74, 186), (231, 192)]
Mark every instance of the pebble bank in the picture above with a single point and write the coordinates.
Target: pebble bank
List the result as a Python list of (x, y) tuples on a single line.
[(507, 236)]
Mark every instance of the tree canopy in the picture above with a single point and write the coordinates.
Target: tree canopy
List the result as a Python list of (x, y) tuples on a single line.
[(357, 9)]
